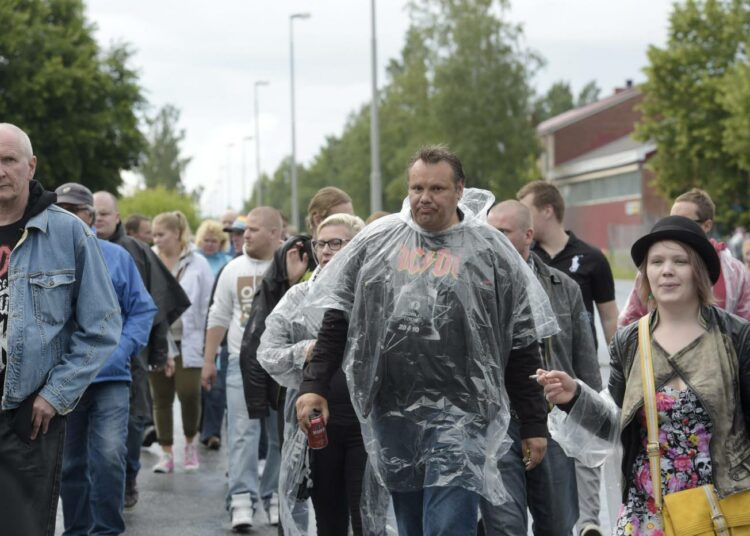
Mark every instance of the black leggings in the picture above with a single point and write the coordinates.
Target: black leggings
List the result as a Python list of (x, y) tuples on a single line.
[(339, 466)]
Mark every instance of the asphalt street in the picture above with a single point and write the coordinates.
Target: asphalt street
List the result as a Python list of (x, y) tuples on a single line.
[(187, 504)]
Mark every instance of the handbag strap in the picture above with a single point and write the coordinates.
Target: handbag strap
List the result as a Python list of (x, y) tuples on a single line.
[(649, 406)]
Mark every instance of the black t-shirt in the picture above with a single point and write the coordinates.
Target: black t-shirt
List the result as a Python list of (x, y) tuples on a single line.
[(588, 267), (9, 237)]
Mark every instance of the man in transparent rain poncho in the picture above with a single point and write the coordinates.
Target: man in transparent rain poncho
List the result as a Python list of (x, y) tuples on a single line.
[(434, 315)]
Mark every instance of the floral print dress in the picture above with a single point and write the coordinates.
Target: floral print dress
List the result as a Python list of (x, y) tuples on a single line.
[(684, 435)]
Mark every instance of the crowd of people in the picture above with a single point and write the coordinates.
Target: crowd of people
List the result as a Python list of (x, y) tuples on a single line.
[(449, 350)]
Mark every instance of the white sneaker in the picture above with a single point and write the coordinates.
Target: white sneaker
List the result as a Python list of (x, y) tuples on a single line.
[(241, 511), (272, 511), (165, 464)]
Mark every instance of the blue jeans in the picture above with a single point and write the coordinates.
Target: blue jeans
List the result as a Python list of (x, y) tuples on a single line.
[(243, 439), (433, 511), (215, 401), (93, 473), (548, 491), (136, 426)]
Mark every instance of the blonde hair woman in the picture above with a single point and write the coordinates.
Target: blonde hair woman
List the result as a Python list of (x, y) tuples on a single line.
[(286, 345), (211, 239), (182, 375)]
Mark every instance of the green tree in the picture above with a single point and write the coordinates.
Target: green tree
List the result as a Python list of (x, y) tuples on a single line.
[(77, 102), (162, 164), (588, 94), (690, 112), (153, 201), (558, 99), (481, 88)]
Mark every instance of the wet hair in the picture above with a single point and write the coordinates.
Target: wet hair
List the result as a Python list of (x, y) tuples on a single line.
[(700, 198), (545, 193), (434, 154), (133, 223), (353, 223), (176, 222), (702, 280), (213, 228), (322, 203)]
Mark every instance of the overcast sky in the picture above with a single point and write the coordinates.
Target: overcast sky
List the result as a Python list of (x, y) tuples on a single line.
[(204, 57)]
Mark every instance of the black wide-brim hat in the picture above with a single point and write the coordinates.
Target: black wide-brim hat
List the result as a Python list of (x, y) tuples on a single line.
[(679, 229)]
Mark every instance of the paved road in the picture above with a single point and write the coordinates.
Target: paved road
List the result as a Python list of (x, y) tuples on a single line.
[(187, 504)]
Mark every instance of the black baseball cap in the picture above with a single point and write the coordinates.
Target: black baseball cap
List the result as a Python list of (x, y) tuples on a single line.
[(73, 193)]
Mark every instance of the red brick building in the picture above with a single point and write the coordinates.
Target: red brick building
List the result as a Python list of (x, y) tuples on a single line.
[(600, 169)]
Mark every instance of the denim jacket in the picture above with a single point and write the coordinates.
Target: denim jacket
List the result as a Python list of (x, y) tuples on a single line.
[(64, 319)]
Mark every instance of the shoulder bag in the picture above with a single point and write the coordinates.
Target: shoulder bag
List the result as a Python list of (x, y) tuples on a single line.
[(691, 512)]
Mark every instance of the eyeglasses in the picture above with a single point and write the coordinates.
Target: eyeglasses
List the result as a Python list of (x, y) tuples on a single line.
[(334, 244)]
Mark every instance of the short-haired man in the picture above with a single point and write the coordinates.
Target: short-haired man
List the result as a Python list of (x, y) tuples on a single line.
[(95, 440), (139, 226), (731, 291), (229, 312), (438, 315), (59, 322), (549, 490), (588, 267), (563, 250), (171, 301)]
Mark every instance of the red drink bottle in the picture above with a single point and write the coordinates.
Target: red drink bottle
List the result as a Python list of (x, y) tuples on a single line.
[(317, 438)]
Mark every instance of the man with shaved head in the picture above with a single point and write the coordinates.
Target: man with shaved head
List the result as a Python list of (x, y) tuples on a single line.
[(233, 300), (54, 337), (549, 490)]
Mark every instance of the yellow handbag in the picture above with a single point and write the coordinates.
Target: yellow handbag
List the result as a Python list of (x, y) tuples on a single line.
[(691, 512)]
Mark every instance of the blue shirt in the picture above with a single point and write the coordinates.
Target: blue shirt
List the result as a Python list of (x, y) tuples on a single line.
[(217, 261), (136, 307)]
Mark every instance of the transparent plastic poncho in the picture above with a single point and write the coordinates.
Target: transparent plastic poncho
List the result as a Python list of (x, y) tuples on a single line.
[(590, 431), (433, 318), (281, 353)]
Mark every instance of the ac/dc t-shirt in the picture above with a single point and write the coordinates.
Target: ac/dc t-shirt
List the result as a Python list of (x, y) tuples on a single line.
[(9, 237)]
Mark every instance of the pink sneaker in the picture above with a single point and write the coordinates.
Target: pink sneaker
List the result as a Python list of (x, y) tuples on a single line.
[(191, 457), (165, 464)]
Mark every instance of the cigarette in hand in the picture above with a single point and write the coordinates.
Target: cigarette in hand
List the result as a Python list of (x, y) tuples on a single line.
[(534, 376)]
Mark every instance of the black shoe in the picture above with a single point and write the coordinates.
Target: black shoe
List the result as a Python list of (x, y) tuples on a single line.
[(591, 530), (149, 436), (131, 494), (213, 443)]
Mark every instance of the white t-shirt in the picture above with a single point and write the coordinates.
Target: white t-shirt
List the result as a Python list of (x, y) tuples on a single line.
[(233, 298)]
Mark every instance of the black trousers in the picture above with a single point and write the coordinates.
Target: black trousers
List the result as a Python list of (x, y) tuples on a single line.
[(29, 475), (337, 473)]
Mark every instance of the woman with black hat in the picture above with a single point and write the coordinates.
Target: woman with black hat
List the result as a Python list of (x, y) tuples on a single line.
[(700, 356)]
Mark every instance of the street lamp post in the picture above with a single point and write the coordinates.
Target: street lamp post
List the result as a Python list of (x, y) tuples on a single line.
[(258, 186), (244, 169), (229, 174), (295, 201), (376, 189)]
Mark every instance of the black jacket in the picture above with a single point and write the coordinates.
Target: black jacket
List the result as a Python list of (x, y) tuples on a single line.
[(171, 302), (624, 350), (261, 391)]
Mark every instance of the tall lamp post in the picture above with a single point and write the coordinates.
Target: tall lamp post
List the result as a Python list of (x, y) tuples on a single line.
[(376, 189), (258, 186), (295, 201), (244, 170), (229, 174)]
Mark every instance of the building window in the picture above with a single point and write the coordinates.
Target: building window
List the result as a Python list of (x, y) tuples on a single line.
[(602, 189)]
